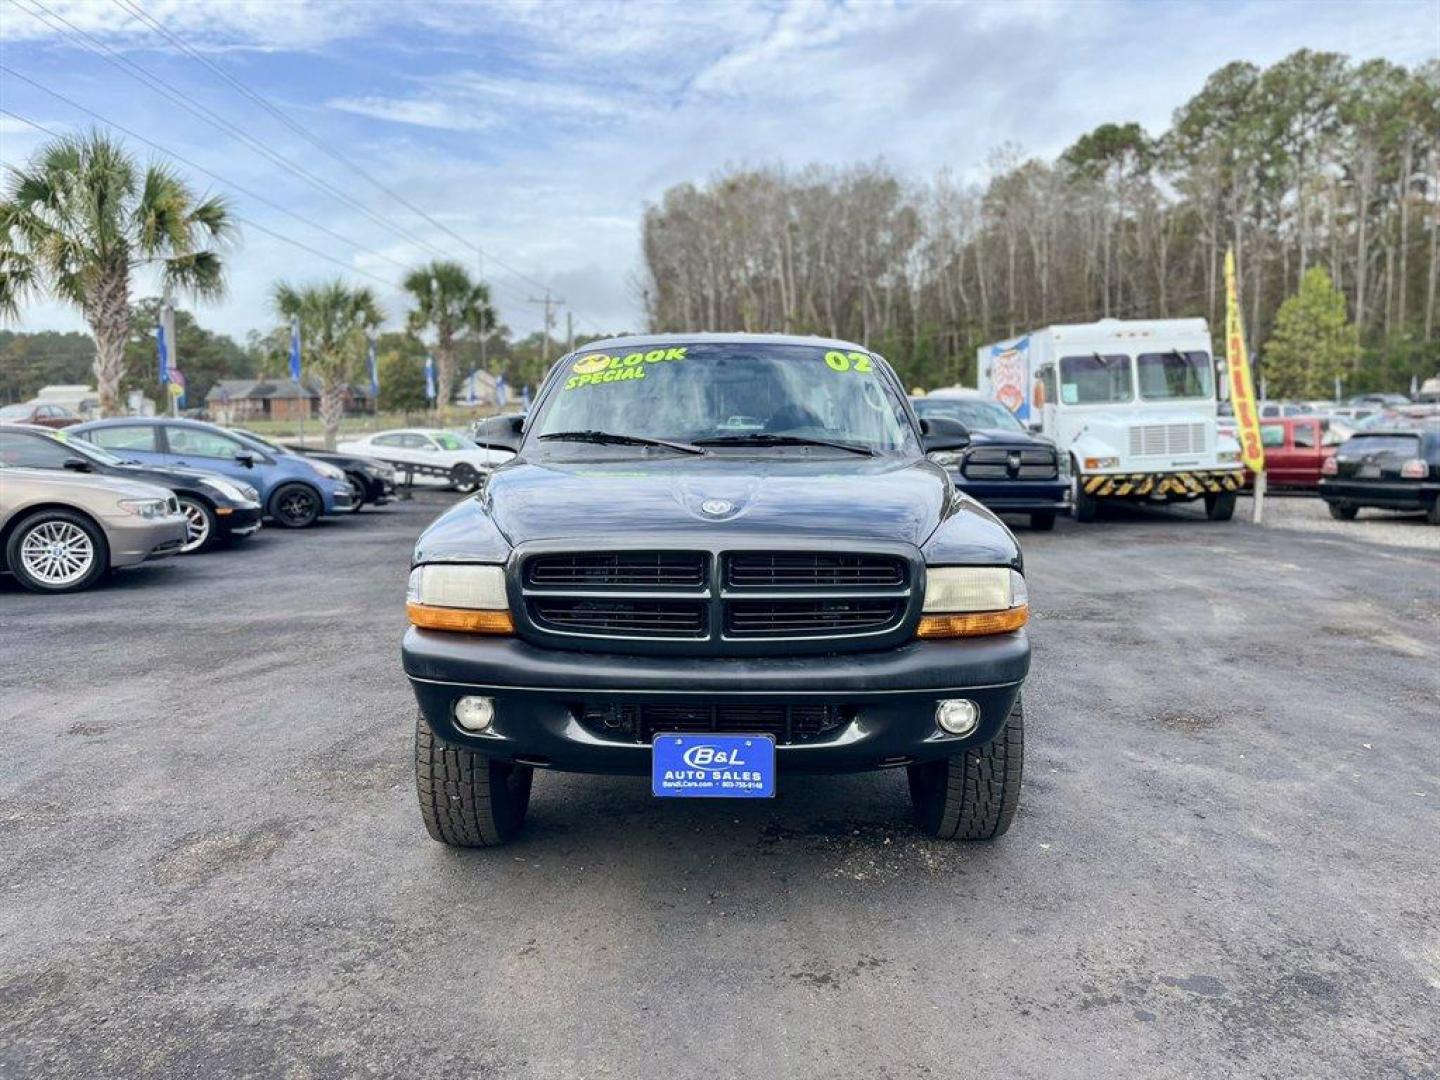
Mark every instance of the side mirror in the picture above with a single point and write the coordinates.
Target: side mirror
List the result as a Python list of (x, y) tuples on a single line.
[(941, 433), (1035, 425), (77, 464), (499, 433), (246, 459)]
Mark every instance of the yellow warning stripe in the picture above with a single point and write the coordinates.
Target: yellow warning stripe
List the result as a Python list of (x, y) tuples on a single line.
[(1131, 485)]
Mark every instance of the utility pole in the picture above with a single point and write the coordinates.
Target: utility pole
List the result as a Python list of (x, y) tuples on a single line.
[(167, 320), (547, 301)]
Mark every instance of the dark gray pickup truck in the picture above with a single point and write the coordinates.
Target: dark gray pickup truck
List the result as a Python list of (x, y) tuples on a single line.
[(717, 559)]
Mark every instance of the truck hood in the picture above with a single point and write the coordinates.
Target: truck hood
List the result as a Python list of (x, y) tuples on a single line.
[(777, 496), (1127, 419)]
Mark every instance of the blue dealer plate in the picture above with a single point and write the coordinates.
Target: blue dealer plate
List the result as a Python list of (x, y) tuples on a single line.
[(713, 767)]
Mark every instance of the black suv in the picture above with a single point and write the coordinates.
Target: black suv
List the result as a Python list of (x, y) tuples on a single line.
[(1006, 467), (715, 558)]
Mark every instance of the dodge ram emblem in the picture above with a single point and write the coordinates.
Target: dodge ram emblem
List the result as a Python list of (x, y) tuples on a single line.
[(716, 507)]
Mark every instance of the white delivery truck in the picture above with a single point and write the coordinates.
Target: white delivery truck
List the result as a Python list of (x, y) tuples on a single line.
[(1130, 403)]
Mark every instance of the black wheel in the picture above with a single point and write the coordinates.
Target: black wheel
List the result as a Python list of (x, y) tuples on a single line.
[(1220, 506), (358, 491), (464, 478), (1043, 521), (972, 796), (295, 505), (1087, 507), (57, 551), (468, 799), (1343, 511), (200, 526)]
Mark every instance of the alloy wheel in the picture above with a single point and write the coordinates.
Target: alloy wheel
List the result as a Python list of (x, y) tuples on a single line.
[(57, 553), (296, 507), (197, 526)]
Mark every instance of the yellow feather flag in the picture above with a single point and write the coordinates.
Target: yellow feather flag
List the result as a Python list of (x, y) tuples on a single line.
[(1237, 365)]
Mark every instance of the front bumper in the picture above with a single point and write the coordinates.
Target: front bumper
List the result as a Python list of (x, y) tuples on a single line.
[(1382, 494), (886, 699), (1187, 484), (1017, 496), (133, 539), (339, 497), (238, 521)]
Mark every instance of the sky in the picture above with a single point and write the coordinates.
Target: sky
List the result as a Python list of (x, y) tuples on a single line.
[(537, 131)]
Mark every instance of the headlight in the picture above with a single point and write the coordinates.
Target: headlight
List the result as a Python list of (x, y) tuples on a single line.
[(324, 468), (459, 596), (249, 492), (1093, 463), (1228, 457), (947, 459), (145, 508), (972, 601), (227, 489)]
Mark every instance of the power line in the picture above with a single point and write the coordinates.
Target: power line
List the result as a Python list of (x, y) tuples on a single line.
[(140, 74), (251, 224), (137, 12)]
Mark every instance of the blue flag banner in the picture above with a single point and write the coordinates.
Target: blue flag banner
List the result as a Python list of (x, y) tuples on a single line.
[(430, 376), (374, 370), (162, 354), (502, 390), (295, 349)]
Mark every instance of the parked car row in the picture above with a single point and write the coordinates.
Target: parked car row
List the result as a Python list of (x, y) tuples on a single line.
[(1395, 466), (78, 501)]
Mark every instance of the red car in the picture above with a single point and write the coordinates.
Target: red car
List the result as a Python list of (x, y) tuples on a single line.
[(41, 413), (1295, 449)]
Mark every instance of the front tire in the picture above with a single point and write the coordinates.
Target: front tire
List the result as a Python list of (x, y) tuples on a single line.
[(201, 526), (1220, 506), (1343, 511), (1087, 507), (467, 799), (57, 551), (358, 491), (973, 795), (464, 478), (295, 506)]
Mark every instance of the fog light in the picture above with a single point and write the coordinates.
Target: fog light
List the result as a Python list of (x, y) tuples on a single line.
[(957, 716), (475, 713)]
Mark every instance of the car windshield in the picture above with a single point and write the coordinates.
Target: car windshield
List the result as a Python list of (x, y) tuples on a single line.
[(976, 415), (730, 391), (448, 441), (87, 449), (1095, 379), (1175, 375), (252, 437)]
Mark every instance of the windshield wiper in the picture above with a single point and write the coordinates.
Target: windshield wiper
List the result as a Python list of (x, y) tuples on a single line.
[(761, 438), (622, 440)]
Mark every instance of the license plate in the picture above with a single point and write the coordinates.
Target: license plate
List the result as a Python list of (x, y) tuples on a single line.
[(713, 766), (1368, 472)]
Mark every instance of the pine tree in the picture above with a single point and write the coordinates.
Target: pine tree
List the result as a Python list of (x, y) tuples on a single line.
[(1313, 341)]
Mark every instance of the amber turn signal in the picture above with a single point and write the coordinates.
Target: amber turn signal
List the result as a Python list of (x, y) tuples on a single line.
[(973, 623), (464, 620)]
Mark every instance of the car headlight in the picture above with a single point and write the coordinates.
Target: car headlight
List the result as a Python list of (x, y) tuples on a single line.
[(972, 601), (227, 489), (468, 597), (947, 459), (145, 508), (1228, 457), (1092, 463), (324, 468), (251, 493)]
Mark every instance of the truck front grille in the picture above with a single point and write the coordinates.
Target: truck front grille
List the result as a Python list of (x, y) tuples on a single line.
[(620, 617), (648, 569), (999, 463), (1159, 440), (814, 570), (788, 723), (809, 618)]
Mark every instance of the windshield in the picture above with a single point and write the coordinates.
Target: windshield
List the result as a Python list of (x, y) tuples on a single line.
[(87, 449), (728, 390), (1175, 375), (266, 443), (1095, 379), (448, 441), (976, 415)]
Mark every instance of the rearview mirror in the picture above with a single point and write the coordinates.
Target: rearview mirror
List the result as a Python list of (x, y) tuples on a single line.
[(499, 432), (942, 433), (77, 464)]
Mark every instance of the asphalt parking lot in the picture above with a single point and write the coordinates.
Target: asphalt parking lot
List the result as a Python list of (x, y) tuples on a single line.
[(1225, 861)]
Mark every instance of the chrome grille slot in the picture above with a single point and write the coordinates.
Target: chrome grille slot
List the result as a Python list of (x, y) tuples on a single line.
[(607, 569), (1158, 440), (803, 618), (619, 617), (812, 570), (788, 723)]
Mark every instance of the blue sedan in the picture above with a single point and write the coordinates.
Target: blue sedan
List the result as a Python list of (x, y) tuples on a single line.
[(293, 490)]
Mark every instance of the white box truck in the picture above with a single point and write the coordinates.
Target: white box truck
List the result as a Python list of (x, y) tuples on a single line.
[(1131, 404)]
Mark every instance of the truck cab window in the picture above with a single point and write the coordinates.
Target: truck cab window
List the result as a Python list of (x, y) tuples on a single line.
[(1174, 375), (1095, 379)]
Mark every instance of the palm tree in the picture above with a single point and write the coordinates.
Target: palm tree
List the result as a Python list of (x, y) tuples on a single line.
[(334, 319), (81, 217), (448, 302)]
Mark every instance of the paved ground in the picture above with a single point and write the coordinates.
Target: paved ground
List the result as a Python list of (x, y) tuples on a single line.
[(211, 862)]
